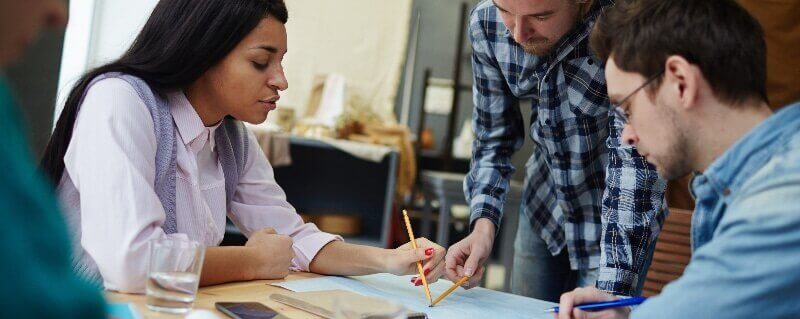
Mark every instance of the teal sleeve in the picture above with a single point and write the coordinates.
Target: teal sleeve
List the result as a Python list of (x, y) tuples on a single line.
[(38, 280)]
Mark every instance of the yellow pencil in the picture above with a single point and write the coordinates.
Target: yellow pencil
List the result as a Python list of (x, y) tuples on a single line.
[(448, 291), (419, 264)]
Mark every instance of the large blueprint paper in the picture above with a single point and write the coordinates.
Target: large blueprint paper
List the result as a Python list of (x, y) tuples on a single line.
[(473, 303)]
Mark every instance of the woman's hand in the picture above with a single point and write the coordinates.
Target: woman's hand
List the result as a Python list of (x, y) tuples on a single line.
[(271, 254), (266, 255), (403, 261)]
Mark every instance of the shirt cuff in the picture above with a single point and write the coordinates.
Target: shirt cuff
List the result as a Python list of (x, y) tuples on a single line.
[(306, 248), (484, 206), (618, 282)]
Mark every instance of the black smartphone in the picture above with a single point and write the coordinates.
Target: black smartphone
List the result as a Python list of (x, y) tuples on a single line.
[(248, 310)]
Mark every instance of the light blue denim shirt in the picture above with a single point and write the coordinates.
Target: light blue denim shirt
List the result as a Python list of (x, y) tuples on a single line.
[(745, 231)]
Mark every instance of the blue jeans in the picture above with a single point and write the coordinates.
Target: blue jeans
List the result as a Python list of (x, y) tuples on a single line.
[(538, 274)]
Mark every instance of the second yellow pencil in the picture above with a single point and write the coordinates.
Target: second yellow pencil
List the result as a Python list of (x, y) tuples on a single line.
[(448, 291)]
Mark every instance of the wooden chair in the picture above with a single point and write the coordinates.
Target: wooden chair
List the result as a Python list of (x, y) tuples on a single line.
[(672, 254)]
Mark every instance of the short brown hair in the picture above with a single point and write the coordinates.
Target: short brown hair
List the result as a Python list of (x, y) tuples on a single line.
[(718, 36)]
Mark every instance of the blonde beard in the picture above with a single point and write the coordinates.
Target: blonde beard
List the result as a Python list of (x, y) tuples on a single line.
[(538, 49)]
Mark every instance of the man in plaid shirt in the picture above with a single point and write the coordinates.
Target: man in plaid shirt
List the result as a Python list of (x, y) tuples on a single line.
[(592, 208)]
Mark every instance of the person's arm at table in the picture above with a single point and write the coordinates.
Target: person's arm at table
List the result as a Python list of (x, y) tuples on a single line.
[(499, 132), (345, 259), (259, 202), (748, 270), (266, 255)]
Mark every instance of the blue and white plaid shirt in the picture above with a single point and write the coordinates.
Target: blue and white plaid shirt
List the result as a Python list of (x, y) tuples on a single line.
[(578, 168)]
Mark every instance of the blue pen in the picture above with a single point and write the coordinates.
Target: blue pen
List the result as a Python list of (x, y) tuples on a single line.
[(595, 306)]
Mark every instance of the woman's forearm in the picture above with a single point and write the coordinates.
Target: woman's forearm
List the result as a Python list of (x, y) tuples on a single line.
[(340, 258), (226, 264)]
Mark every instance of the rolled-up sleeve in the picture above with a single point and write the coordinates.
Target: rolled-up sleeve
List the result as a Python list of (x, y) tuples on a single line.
[(633, 211), (498, 127), (259, 202)]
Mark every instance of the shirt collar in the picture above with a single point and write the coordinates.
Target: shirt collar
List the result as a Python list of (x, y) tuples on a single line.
[(190, 127), (735, 166)]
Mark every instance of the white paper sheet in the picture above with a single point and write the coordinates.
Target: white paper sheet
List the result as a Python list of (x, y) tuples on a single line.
[(439, 97), (473, 303)]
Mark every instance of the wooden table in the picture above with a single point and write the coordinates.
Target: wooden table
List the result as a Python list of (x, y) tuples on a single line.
[(257, 290)]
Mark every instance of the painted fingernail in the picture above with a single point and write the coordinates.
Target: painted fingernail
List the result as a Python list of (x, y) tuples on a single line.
[(413, 280), (426, 271), (428, 251), (417, 284)]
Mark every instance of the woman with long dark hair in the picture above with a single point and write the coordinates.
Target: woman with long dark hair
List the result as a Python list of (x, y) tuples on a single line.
[(151, 146)]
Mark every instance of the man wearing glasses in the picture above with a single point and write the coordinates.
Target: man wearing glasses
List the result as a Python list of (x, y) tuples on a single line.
[(694, 99), (592, 207)]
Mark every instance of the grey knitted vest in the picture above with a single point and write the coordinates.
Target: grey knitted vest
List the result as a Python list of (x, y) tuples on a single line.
[(231, 147)]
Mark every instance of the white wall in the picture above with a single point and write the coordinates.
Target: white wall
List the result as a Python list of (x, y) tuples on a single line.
[(116, 24), (98, 32), (75, 54), (364, 40)]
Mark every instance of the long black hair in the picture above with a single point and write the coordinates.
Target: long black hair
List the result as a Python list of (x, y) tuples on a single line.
[(181, 40)]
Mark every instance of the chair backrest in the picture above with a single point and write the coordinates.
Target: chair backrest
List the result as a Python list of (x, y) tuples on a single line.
[(672, 254)]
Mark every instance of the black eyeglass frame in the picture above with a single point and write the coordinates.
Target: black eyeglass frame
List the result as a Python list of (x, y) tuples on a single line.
[(621, 112)]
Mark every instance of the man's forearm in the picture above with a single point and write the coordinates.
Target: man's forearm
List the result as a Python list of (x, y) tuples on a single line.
[(484, 226)]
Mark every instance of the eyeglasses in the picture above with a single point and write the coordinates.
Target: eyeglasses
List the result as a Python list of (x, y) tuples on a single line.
[(621, 112)]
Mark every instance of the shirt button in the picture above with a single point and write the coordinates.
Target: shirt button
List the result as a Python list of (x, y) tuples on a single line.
[(547, 122), (726, 191), (590, 61)]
